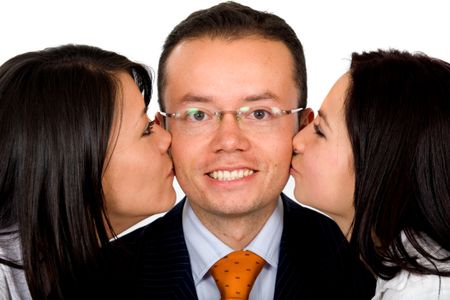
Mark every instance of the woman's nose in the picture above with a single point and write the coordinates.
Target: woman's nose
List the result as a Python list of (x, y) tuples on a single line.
[(163, 138), (298, 143)]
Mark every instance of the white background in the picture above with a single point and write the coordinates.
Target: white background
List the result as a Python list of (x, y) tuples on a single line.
[(329, 30)]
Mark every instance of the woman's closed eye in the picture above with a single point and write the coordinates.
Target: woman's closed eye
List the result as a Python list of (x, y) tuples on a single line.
[(318, 130), (148, 128)]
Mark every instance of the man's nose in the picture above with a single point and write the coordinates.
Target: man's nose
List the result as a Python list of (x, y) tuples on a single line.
[(229, 136)]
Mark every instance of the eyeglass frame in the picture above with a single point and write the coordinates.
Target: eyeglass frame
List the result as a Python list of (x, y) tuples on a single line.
[(237, 113)]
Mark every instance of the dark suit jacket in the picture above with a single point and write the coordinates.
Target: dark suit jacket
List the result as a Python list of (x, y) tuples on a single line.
[(315, 260)]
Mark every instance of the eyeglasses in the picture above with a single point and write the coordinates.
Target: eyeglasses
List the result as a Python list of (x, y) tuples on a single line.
[(252, 119)]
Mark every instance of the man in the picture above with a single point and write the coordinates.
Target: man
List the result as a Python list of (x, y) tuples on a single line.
[(231, 82)]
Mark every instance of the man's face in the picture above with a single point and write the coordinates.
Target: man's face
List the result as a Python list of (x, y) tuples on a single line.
[(229, 170)]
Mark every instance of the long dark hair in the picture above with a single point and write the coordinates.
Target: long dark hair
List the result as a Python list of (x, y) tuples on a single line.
[(56, 109), (398, 118), (231, 20)]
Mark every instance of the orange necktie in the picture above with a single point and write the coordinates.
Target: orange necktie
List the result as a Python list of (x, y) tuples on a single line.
[(235, 274)]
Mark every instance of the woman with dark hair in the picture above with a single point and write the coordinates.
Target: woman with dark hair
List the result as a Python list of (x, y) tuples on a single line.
[(80, 163), (377, 160)]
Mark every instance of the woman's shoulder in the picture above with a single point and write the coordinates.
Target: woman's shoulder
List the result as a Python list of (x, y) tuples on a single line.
[(13, 284), (406, 285), (10, 244)]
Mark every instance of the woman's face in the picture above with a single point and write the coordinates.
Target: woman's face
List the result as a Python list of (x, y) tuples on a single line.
[(137, 178), (322, 165)]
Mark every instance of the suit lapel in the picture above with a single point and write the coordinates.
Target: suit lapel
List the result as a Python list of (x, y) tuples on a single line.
[(287, 277), (164, 250)]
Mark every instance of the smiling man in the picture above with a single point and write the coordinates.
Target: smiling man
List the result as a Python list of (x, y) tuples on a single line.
[(232, 90), (232, 169)]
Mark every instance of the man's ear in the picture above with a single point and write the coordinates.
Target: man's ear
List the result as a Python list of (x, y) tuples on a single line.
[(306, 118), (159, 119)]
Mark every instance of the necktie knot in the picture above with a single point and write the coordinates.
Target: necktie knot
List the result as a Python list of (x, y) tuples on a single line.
[(236, 272)]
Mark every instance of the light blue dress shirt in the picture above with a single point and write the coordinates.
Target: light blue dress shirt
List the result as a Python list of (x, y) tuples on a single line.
[(205, 249)]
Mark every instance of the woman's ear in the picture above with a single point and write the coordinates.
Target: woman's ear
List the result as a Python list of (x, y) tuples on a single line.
[(306, 118)]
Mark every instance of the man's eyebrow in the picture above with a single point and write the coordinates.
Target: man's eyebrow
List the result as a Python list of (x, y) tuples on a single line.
[(263, 96), (189, 98), (323, 116)]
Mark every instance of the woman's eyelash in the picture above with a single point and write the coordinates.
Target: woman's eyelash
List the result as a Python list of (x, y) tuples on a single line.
[(148, 128), (318, 131)]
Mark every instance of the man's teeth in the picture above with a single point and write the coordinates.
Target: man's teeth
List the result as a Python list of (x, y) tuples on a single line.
[(230, 175)]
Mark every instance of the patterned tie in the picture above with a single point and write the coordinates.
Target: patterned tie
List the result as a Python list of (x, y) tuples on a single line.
[(235, 274)]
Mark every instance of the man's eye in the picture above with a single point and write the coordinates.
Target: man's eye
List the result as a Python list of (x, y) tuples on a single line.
[(196, 116), (260, 114)]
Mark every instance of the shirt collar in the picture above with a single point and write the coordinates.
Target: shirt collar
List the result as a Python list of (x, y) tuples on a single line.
[(205, 248)]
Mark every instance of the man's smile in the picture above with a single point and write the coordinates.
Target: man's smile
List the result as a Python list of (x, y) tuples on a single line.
[(228, 175)]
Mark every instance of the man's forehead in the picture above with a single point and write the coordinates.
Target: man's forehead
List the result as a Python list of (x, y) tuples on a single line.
[(227, 77), (266, 98)]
